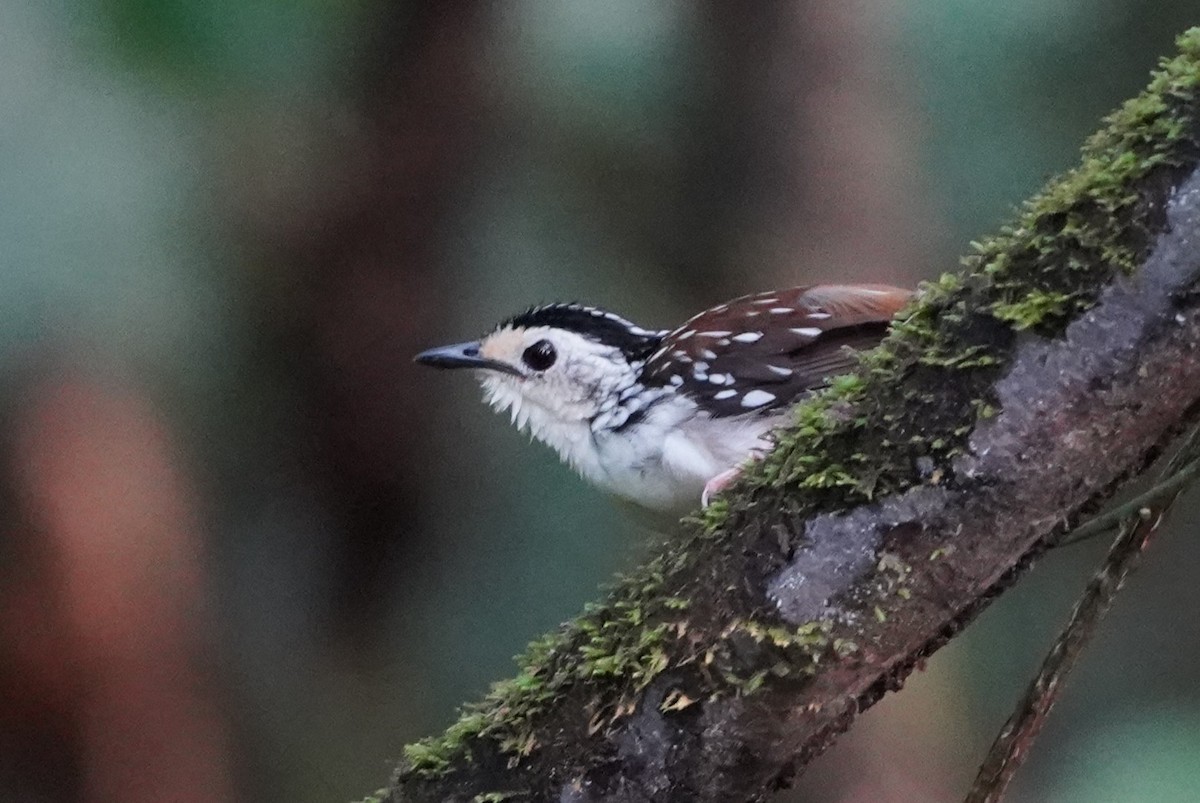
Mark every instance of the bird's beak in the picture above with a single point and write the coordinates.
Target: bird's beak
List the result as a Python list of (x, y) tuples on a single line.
[(463, 355)]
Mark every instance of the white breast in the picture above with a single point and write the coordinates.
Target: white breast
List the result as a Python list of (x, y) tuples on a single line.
[(663, 465)]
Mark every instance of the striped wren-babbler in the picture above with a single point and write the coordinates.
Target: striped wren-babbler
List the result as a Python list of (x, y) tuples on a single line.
[(665, 418)]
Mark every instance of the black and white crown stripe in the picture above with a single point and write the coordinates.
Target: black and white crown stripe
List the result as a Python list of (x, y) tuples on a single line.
[(594, 323)]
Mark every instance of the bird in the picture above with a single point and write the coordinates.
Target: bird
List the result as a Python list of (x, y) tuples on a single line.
[(667, 419)]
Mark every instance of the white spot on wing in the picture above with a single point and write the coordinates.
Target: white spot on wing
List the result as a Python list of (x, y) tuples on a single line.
[(725, 394), (807, 331), (748, 337), (757, 398), (715, 334), (775, 369), (780, 310)]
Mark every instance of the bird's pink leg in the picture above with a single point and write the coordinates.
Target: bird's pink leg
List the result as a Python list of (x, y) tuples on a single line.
[(727, 477), (718, 484)]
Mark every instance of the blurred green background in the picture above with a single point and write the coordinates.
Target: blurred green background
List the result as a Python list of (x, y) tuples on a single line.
[(250, 550)]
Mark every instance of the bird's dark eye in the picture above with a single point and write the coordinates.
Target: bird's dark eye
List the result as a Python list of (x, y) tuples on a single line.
[(540, 356)]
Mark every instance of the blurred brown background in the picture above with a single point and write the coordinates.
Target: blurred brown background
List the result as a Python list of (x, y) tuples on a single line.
[(249, 549)]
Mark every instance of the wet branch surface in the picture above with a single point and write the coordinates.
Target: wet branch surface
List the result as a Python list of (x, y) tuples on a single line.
[(1007, 405)]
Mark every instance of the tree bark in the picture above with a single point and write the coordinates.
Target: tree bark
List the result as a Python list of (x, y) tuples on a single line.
[(1008, 401)]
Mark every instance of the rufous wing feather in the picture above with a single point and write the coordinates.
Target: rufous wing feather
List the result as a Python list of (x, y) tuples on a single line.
[(761, 352)]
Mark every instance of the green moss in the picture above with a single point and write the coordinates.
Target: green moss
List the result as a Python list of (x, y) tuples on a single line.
[(378, 796), (912, 405), (1033, 309), (941, 552), (431, 755)]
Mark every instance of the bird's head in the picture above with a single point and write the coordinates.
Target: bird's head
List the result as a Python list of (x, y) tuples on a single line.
[(559, 364)]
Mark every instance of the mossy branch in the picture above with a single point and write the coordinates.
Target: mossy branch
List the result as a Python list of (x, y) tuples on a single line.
[(1009, 400)]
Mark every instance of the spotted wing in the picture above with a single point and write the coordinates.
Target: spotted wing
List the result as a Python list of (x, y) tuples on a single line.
[(762, 352)]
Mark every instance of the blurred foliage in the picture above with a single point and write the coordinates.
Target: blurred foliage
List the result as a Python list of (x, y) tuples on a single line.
[(225, 44)]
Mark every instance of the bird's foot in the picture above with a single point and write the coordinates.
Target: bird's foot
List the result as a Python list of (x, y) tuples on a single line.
[(718, 484)]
